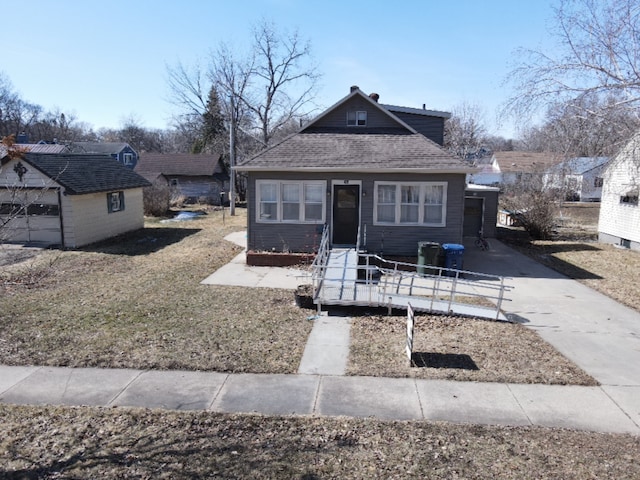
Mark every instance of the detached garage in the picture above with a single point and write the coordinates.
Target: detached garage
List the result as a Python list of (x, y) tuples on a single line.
[(68, 200)]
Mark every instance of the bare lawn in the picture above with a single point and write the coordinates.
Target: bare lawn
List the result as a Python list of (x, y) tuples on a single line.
[(137, 302)]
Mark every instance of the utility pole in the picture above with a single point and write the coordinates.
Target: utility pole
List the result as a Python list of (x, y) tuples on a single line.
[(232, 159)]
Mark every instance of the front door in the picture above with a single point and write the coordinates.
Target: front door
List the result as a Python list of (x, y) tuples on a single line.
[(473, 212), (346, 214)]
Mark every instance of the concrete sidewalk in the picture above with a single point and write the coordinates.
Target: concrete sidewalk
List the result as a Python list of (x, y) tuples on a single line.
[(598, 334), (582, 408)]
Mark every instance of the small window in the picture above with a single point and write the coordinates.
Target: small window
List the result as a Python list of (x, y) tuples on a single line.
[(598, 182), (43, 209), (357, 119), (12, 209), (115, 202), (174, 182), (630, 199), (128, 158)]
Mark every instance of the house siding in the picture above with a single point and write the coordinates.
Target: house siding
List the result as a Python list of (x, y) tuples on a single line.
[(87, 219), (337, 119), (619, 223), (382, 239), (197, 188), (430, 127)]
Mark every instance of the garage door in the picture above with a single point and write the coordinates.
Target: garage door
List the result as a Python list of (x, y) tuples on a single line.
[(38, 223)]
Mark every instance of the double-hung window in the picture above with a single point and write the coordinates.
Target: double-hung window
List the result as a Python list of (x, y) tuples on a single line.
[(411, 203), (290, 201), (357, 118)]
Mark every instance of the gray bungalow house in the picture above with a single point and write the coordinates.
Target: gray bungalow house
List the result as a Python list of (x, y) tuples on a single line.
[(375, 175)]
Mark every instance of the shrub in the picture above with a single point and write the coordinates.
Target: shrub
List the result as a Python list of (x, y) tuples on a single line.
[(156, 199)]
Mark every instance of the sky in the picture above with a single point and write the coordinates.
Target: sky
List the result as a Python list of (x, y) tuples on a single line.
[(106, 61)]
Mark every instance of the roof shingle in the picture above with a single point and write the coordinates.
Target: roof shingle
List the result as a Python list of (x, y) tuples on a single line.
[(348, 151), (81, 174)]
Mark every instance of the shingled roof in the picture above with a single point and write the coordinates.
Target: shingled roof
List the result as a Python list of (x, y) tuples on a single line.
[(98, 147), (179, 164), (82, 174), (318, 147), (529, 162), (356, 152)]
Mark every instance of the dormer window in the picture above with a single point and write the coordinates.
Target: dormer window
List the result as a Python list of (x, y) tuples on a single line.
[(357, 119)]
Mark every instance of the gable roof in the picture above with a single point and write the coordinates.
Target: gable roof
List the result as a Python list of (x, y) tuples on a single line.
[(98, 147), (528, 162), (82, 174), (356, 92), (180, 164), (356, 152)]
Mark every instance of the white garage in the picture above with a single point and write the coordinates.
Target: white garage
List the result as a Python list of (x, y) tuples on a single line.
[(67, 200)]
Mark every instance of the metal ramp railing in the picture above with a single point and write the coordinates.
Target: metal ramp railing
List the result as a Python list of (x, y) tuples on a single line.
[(347, 277)]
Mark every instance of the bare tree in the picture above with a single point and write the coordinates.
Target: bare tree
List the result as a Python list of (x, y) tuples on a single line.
[(599, 56), (572, 131), (465, 132)]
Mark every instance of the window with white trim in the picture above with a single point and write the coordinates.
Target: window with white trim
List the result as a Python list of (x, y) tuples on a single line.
[(410, 203), (115, 202), (290, 201), (128, 158), (357, 118)]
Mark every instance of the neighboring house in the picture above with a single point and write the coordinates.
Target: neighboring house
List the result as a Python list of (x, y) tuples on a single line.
[(619, 221), (580, 177), (363, 171), (69, 200), (195, 177), (487, 173), (513, 167), (121, 151)]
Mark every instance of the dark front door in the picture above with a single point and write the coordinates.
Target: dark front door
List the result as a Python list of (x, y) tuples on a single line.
[(346, 214), (473, 211)]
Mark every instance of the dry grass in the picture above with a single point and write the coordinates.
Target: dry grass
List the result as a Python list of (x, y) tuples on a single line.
[(68, 442), (452, 348), (137, 302)]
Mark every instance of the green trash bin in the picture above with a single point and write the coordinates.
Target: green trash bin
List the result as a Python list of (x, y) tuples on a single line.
[(428, 254)]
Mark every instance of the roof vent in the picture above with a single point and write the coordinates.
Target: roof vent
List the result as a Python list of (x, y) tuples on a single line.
[(375, 97), (354, 88)]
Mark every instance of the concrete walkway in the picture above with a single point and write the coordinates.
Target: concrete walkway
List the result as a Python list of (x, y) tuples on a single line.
[(583, 408), (598, 334)]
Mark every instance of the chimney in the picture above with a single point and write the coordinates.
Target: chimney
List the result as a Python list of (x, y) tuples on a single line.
[(22, 138), (375, 97), (354, 88)]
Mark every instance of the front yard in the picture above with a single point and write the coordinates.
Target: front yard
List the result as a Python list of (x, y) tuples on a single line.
[(137, 302)]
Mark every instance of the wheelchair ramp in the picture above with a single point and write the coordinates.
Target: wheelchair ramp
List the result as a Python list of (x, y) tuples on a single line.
[(351, 278)]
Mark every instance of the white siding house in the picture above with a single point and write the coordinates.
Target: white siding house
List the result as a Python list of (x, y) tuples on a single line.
[(67, 200), (580, 177), (619, 210)]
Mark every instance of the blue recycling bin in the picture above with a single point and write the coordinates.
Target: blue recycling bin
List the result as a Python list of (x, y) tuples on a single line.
[(453, 256)]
